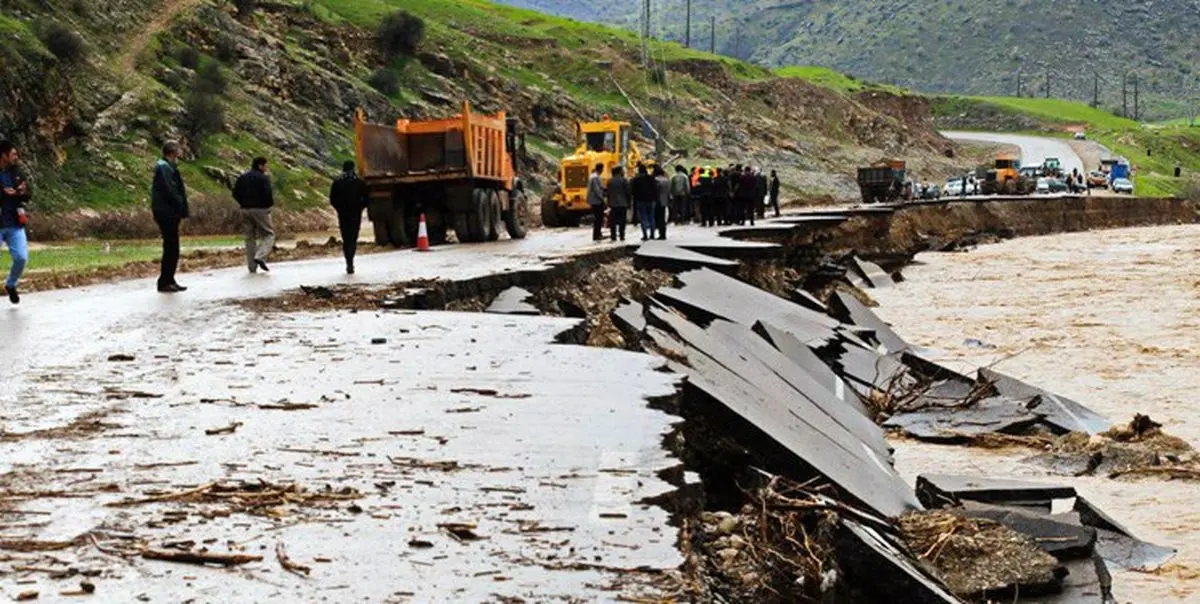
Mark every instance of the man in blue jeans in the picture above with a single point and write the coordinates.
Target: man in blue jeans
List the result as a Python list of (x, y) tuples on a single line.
[(15, 192), (645, 197)]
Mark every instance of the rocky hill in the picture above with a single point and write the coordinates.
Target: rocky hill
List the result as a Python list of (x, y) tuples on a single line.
[(959, 46), (91, 88)]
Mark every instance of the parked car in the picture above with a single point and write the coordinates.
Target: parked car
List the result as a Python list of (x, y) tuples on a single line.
[(1097, 179), (1043, 185), (1081, 136), (953, 188), (1058, 185), (1122, 185), (1031, 172)]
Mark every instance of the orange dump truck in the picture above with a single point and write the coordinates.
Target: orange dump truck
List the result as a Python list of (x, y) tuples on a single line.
[(459, 172)]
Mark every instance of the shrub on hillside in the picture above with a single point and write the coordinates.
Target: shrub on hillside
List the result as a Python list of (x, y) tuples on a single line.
[(64, 42), (386, 81), (210, 79), (227, 50), (188, 57), (400, 34), (245, 7), (203, 114)]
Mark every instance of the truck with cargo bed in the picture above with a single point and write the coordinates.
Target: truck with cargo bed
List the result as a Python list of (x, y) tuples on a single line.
[(459, 172)]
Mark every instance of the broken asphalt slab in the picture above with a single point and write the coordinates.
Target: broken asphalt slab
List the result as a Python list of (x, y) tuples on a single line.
[(1117, 544), (804, 357), (848, 309), (874, 274), (513, 301), (1061, 535), (774, 426), (761, 231), (947, 490), (729, 249), (1062, 413), (964, 423), (667, 257), (883, 570)]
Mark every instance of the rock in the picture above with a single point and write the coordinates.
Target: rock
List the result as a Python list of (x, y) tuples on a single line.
[(727, 526), (728, 554)]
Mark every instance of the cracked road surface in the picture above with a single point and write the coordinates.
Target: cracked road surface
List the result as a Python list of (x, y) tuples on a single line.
[(398, 455)]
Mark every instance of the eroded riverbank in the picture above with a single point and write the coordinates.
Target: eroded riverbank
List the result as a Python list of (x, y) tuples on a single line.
[(1108, 318)]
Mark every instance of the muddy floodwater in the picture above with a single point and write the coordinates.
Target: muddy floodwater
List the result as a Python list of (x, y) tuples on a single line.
[(1108, 318)]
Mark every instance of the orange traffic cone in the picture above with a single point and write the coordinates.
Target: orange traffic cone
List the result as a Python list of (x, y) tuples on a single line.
[(422, 236)]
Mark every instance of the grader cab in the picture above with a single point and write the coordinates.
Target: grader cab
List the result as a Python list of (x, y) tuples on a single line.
[(605, 142)]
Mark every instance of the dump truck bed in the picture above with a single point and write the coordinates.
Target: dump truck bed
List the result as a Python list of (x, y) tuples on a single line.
[(466, 146)]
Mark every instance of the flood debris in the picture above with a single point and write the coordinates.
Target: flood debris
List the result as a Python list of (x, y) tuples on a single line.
[(289, 565), (201, 557), (1033, 504), (1137, 449), (230, 429), (980, 559)]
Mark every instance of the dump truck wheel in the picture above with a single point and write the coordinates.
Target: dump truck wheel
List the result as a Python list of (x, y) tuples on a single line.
[(461, 229), (379, 211), (436, 223), (477, 216), (549, 210), (516, 220), (398, 229), (495, 216)]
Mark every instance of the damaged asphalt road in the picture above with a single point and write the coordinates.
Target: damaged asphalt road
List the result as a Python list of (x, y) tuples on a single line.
[(136, 424)]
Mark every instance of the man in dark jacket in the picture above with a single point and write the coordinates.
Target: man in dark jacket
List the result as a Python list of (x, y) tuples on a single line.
[(15, 192), (169, 204), (595, 199), (760, 192), (719, 201), (775, 192), (618, 202), (348, 196), (253, 193), (746, 190), (645, 197), (702, 194)]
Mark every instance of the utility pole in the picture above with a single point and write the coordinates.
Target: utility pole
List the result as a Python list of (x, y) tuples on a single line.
[(1047, 83), (687, 36), (1095, 89), (645, 33), (1018, 83), (1125, 95), (1137, 108), (712, 37)]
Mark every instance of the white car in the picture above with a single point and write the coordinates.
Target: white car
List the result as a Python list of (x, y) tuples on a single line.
[(1122, 185), (953, 188), (1043, 185), (1080, 136)]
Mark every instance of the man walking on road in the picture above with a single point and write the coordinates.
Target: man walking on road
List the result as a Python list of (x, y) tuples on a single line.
[(618, 202), (15, 192), (775, 192), (348, 196), (253, 193), (595, 199), (169, 204)]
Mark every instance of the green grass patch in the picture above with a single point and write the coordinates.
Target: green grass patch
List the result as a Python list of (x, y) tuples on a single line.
[(88, 255), (1058, 111)]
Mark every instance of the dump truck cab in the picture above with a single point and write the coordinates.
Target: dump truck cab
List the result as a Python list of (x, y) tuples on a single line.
[(604, 142), (885, 181)]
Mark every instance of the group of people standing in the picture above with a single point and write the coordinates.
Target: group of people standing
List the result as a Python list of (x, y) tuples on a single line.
[(707, 195)]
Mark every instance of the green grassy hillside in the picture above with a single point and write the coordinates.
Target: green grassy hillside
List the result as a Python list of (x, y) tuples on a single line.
[(950, 46), (287, 75)]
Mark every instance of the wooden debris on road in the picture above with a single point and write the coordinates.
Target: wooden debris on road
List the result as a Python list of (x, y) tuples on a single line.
[(288, 564), (201, 557), (230, 429), (286, 406)]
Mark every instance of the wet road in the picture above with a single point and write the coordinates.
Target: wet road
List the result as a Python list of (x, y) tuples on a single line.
[(391, 424), (1034, 149)]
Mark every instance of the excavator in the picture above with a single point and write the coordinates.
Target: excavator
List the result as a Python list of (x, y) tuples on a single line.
[(604, 142)]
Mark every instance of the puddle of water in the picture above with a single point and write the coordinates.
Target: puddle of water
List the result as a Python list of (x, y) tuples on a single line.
[(1108, 318)]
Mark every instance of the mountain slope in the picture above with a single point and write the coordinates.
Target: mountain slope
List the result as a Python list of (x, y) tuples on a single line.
[(290, 74), (960, 46)]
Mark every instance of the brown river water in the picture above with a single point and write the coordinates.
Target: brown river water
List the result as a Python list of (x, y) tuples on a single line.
[(1108, 318)]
